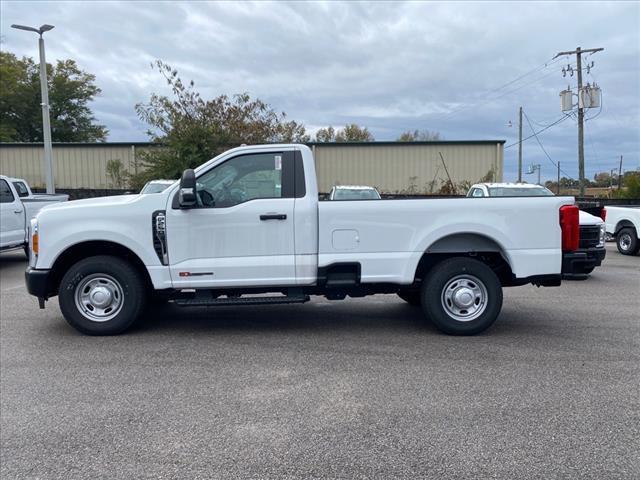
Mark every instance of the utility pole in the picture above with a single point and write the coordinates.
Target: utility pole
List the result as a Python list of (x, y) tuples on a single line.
[(558, 187), (520, 148), (620, 173), (611, 174), (578, 53)]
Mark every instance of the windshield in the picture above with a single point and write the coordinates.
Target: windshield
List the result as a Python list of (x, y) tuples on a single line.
[(356, 194), (155, 187), (519, 192)]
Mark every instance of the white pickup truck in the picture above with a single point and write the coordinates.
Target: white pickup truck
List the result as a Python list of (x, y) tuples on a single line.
[(247, 228), (592, 229), (18, 205), (623, 223)]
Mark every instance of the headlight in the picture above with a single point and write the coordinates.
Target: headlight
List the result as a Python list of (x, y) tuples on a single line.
[(603, 234)]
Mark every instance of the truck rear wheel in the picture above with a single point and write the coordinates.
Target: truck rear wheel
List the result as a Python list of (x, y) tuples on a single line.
[(461, 296), (101, 295), (627, 241)]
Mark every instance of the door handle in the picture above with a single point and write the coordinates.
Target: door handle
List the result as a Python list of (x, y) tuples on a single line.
[(17, 211), (273, 216)]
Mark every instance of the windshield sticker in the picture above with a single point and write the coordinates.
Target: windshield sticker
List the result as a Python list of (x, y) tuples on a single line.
[(278, 162)]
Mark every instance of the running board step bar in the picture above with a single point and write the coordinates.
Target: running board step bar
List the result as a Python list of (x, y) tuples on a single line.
[(203, 301)]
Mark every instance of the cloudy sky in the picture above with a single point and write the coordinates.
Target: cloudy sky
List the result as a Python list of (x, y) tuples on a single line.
[(461, 69)]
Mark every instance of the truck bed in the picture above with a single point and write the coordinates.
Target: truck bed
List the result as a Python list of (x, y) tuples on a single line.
[(388, 237)]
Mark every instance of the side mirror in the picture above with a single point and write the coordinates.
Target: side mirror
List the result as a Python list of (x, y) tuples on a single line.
[(187, 194)]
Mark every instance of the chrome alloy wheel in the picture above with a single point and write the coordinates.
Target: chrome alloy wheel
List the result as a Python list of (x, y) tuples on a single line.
[(464, 298), (99, 297), (625, 242)]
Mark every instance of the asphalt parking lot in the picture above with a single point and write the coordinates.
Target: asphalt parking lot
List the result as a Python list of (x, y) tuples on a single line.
[(355, 389)]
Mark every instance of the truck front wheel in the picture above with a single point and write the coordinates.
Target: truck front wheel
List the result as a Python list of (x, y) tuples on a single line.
[(627, 241), (461, 296), (101, 295)]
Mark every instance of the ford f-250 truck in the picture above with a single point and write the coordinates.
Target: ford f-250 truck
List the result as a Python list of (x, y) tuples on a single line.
[(18, 205), (623, 223), (592, 230), (247, 228)]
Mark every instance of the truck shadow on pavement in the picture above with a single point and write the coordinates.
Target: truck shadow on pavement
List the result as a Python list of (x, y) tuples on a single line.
[(315, 316), (354, 317), (11, 258)]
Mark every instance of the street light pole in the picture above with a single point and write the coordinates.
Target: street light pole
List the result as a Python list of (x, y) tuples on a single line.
[(46, 125), (44, 91)]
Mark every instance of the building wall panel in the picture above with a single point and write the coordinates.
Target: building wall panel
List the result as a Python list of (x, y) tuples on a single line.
[(406, 168), (392, 168)]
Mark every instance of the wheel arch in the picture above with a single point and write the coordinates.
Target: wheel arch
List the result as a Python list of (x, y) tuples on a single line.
[(624, 224), (469, 244), (91, 248)]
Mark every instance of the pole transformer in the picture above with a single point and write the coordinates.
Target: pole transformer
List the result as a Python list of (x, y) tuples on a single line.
[(578, 53)]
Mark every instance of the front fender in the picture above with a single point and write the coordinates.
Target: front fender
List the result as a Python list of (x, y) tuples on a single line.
[(54, 241)]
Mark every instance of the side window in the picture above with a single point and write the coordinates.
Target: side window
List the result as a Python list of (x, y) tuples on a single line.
[(243, 178), (477, 192), (21, 188), (6, 195)]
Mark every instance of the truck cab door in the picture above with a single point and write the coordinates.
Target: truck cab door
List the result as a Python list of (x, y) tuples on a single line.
[(241, 232), (12, 223)]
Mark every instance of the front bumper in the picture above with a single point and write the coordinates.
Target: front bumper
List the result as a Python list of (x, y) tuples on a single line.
[(581, 260), (38, 283)]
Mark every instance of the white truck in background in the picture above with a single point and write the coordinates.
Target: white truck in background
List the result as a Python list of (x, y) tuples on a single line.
[(623, 223), (18, 205), (247, 228), (24, 192)]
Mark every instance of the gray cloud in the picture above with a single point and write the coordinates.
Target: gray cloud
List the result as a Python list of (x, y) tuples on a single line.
[(389, 66)]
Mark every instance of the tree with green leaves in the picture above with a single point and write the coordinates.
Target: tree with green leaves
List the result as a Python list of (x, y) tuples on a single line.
[(419, 136), (326, 135), (350, 133), (70, 92), (191, 130), (630, 185)]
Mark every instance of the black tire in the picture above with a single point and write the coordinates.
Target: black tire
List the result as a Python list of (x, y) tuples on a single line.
[(587, 270), (475, 282), (627, 241), (119, 279), (411, 297)]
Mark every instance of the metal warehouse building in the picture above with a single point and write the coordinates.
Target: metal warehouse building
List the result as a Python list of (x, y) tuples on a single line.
[(392, 167)]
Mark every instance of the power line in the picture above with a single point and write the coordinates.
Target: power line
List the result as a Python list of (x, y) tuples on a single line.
[(520, 87), (487, 92), (542, 146), (560, 120), (538, 68)]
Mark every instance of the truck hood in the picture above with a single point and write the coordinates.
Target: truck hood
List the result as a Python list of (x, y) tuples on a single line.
[(94, 202), (588, 219), (117, 201)]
